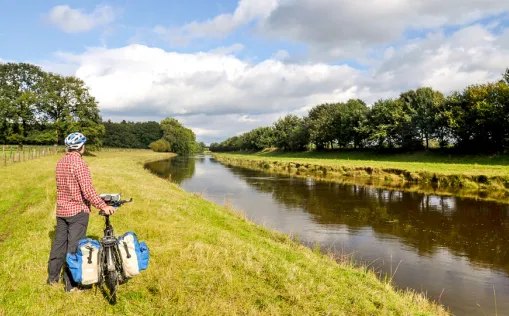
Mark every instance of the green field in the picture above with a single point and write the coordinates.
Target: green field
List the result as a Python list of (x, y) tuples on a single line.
[(415, 162), (205, 258)]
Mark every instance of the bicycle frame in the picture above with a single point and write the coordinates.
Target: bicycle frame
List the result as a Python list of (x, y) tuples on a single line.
[(110, 243), (110, 259)]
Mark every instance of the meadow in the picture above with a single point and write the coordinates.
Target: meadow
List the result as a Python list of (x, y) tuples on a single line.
[(206, 259)]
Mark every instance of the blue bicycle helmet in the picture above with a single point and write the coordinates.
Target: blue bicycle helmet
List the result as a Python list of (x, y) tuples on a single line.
[(75, 140)]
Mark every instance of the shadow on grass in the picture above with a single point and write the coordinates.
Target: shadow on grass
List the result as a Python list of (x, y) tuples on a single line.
[(51, 235), (93, 287)]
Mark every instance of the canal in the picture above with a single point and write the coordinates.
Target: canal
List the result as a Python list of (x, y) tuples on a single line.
[(455, 250)]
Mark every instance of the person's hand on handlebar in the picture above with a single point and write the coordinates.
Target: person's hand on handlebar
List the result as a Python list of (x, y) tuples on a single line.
[(109, 210)]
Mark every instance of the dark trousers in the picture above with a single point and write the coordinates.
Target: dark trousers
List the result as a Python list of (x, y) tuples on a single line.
[(68, 232)]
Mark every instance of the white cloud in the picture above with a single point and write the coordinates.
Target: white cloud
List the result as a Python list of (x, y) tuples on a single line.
[(281, 55), (471, 55), (219, 95), (140, 78), (335, 29), (201, 132), (235, 48), (221, 25), (76, 20)]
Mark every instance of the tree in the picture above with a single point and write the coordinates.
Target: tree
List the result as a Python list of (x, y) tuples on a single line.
[(20, 86), (291, 133), (68, 106), (214, 147), (160, 145), (348, 120), (147, 132), (264, 137), (358, 121), (423, 105), (181, 139), (481, 115), (320, 121), (131, 134), (388, 123), (5, 116)]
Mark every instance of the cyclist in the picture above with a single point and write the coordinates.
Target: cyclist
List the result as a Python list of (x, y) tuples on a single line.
[(75, 194)]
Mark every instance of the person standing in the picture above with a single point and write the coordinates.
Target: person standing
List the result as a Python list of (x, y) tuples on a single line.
[(75, 195)]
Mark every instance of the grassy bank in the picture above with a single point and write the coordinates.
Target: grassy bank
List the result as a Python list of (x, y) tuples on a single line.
[(205, 259), (473, 176)]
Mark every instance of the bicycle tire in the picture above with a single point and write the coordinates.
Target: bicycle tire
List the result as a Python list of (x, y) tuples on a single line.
[(112, 283)]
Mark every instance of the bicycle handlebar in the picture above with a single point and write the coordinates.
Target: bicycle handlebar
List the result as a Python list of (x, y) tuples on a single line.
[(115, 204)]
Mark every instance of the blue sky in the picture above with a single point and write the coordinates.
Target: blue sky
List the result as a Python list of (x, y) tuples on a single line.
[(225, 67), (34, 38)]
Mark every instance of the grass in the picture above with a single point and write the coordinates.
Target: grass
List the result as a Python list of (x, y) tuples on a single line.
[(413, 162), (205, 258), (479, 177)]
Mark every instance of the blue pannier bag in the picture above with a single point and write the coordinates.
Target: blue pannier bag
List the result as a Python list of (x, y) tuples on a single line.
[(135, 255), (84, 264)]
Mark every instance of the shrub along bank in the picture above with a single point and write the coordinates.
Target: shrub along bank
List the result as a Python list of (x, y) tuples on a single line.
[(205, 259)]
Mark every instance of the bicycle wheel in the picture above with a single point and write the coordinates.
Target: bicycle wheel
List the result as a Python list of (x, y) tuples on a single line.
[(110, 276), (112, 283)]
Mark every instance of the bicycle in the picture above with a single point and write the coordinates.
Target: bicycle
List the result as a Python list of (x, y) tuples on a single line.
[(109, 256)]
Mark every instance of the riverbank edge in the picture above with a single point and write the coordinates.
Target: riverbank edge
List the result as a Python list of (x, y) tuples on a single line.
[(340, 261), (478, 187)]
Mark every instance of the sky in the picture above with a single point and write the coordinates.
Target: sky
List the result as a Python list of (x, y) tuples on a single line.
[(225, 67)]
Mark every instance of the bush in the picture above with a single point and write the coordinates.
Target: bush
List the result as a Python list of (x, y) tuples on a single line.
[(160, 145)]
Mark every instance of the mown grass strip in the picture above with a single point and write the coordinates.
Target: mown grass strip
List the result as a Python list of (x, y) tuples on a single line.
[(497, 165), (205, 259)]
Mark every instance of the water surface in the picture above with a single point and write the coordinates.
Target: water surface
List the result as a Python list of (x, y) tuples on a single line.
[(453, 249)]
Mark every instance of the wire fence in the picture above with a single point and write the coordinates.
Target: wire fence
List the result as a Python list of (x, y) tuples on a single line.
[(10, 154)]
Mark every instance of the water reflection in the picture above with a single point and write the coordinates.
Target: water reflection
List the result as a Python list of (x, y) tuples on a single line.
[(167, 168), (449, 247), (469, 228)]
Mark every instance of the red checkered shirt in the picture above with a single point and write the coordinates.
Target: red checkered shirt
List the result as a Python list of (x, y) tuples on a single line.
[(74, 186)]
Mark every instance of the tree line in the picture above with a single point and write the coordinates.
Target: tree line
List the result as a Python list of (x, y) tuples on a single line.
[(38, 107), (177, 138), (474, 120), (42, 108), (131, 134)]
